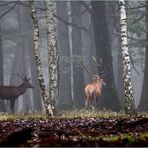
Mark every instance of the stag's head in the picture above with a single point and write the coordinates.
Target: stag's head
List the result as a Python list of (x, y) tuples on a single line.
[(97, 78), (25, 80)]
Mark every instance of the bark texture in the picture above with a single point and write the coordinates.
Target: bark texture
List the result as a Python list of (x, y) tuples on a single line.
[(47, 105), (128, 91), (53, 58)]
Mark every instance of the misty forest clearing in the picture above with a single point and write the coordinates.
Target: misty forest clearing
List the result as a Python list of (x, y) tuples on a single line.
[(73, 73)]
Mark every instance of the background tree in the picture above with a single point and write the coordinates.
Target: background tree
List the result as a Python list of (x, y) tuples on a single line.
[(143, 106), (2, 105), (65, 98), (78, 75), (103, 51)]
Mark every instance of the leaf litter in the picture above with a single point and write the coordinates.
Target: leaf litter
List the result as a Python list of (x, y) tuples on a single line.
[(63, 132)]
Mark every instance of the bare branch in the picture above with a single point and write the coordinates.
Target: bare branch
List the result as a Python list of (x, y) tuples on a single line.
[(138, 7), (87, 7), (59, 18), (6, 3), (139, 18), (87, 69), (132, 62), (9, 10), (71, 24)]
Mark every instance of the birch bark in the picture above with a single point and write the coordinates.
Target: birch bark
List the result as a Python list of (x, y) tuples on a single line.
[(48, 107), (129, 104), (53, 58)]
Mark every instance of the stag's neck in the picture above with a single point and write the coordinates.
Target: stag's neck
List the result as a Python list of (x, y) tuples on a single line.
[(22, 88), (98, 82)]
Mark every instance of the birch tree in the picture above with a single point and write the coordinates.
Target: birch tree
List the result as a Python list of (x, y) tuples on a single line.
[(53, 58), (129, 104), (47, 105)]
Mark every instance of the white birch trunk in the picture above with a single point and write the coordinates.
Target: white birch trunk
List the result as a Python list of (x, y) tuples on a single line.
[(53, 58), (47, 105), (128, 91)]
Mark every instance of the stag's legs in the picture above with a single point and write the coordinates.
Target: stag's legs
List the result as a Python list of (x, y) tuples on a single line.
[(86, 103), (12, 105)]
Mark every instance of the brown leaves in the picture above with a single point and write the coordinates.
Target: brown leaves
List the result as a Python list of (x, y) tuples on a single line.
[(75, 132)]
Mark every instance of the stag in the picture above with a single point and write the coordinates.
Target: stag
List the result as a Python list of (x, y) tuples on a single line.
[(11, 93), (93, 90)]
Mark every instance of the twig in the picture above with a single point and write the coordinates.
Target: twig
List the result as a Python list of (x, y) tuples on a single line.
[(6, 3), (8, 10), (132, 62)]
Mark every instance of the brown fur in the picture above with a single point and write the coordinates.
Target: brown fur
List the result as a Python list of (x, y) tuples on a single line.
[(93, 90)]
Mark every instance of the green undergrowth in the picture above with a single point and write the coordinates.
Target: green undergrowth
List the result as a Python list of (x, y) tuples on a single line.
[(22, 116), (83, 113), (128, 138)]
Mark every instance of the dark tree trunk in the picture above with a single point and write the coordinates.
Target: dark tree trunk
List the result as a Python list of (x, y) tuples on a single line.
[(2, 105), (143, 106), (64, 99), (109, 98), (77, 53)]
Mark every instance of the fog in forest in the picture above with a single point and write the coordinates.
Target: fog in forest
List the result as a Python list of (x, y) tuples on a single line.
[(83, 29)]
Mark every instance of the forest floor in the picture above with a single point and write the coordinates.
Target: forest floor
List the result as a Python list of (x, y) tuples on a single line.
[(78, 128)]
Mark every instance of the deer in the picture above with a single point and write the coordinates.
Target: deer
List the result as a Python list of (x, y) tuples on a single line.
[(93, 90), (11, 93)]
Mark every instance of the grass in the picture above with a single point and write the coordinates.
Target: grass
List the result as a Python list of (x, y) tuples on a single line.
[(83, 113), (22, 116)]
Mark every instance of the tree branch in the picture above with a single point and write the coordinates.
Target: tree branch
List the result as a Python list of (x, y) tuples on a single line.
[(59, 18), (87, 7), (9, 10), (138, 7), (71, 24), (6, 3), (132, 62)]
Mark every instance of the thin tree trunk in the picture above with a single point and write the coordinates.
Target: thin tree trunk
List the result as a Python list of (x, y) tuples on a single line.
[(2, 105), (65, 98), (53, 57), (109, 95), (48, 108), (128, 91), (143, 106), (77, 52)]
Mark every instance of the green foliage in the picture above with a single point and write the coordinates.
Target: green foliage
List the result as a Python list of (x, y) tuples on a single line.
[(136, 19), (83, 113), (5, 116), (137, 28)]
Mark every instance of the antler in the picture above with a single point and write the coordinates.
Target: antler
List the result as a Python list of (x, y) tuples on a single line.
[(23, 77), (100, 65), (97, 62), (87, 69)]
